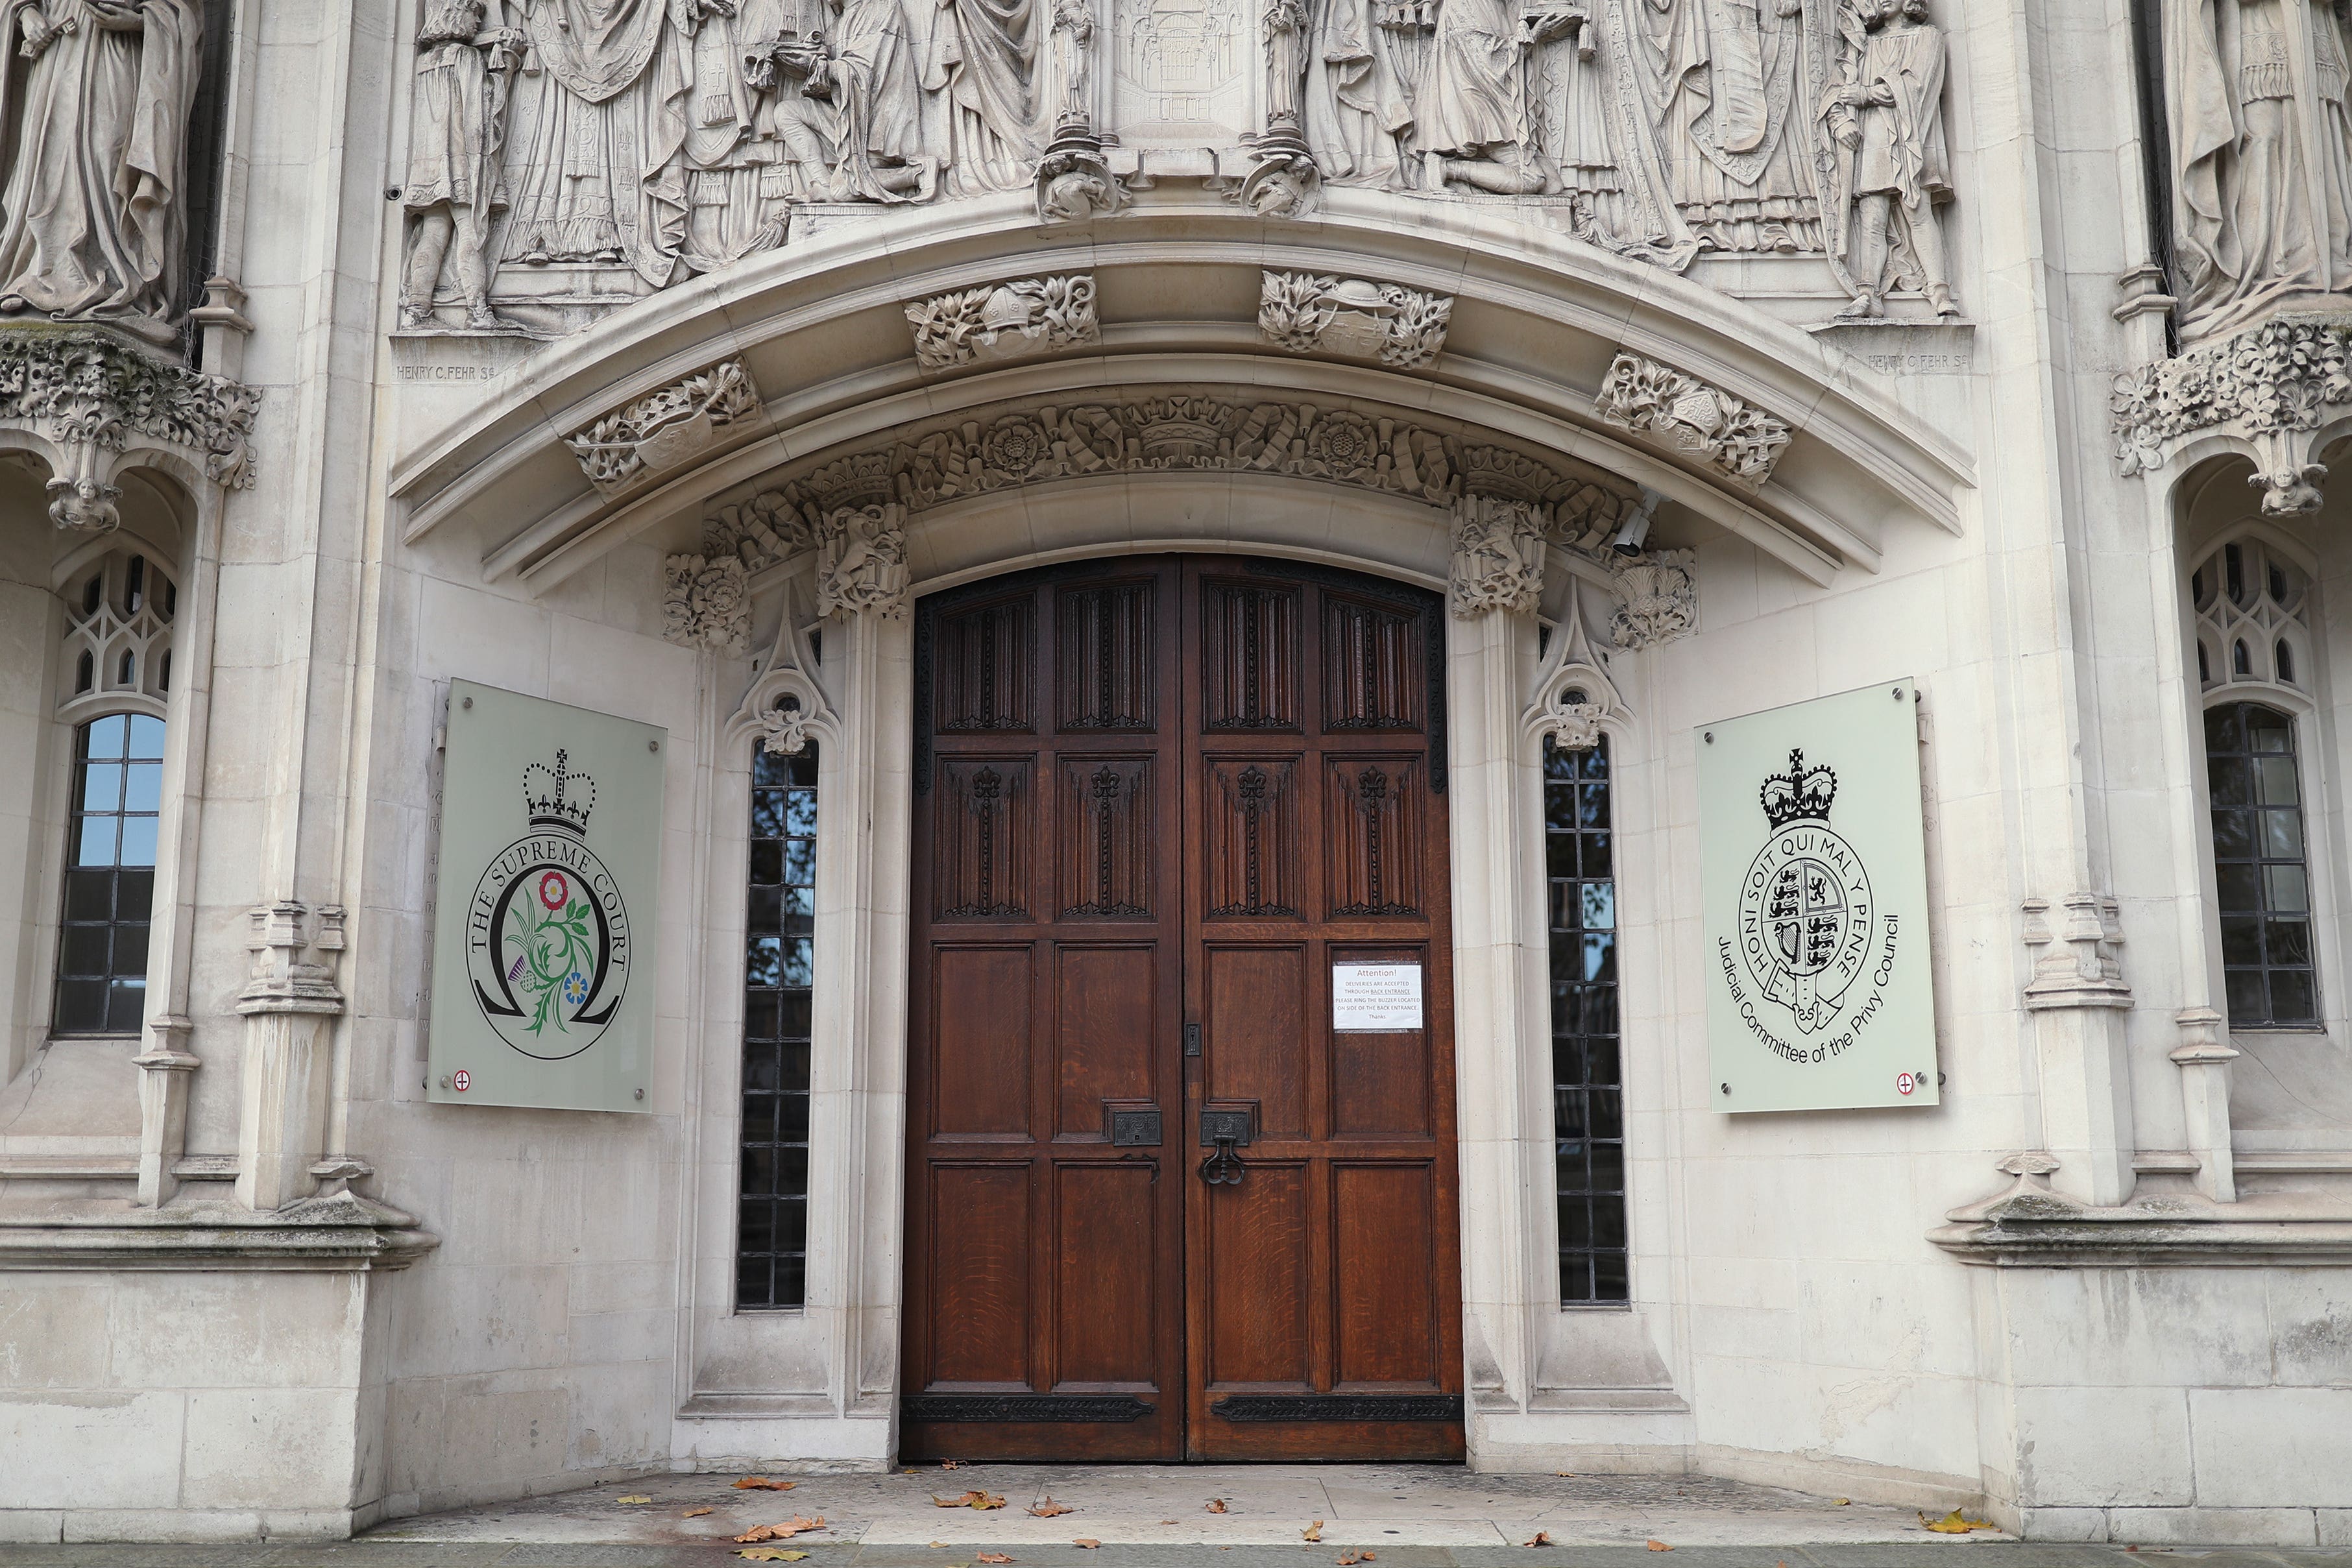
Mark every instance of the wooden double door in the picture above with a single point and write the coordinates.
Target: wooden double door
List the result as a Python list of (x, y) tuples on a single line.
[(1182, 1178)]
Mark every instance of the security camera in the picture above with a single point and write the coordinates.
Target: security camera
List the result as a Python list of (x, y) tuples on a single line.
[(1635, 531)]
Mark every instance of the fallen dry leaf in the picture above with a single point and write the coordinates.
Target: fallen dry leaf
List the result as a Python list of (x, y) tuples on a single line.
[(1216, 1505), (950, 1464), (694, 1513), (993, 1557), (1348, 1559), (772, 1555), (1565, 1475), (1313, 1532), (969, 1500), (1088, 1541), (797, 1525), (1657, 1546), (938, 1544), (1541, 1539), (1953, 1523), (1047, 1508), (633, 1499), (1166, 1522), (761, 1483), (1840, 1502)]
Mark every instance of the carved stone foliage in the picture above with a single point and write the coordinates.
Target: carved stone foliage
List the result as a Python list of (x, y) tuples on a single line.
[(92, 394), (93, 218), (663, 429), (707, 602), (1660, 590), (1729, 434), (2267, 387), (862, 560), (1208, 431), (1004, 320), (1354, 318), (2262, 157)]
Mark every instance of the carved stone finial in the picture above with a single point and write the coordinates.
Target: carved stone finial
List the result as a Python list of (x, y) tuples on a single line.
[(2080, 964), (861, 561), (1353, 317), (707, 602), (1004, 320), (665, 429), (1729, 434), (784, 730), (1499, 556)]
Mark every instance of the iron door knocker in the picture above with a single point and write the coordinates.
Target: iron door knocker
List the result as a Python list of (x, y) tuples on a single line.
[(1225, 1167)]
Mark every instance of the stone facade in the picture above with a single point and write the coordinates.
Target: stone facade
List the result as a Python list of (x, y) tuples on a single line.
[(1710, 360)]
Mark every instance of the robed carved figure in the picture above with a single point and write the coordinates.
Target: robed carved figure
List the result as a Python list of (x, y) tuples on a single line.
[(94, 216)]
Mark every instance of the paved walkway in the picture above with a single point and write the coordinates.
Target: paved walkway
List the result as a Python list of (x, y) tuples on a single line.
[(1162, 1517)]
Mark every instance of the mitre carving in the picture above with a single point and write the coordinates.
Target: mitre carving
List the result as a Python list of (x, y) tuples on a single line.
[(1353, 317), (663, 430), (1004, 320), (1729, 434)]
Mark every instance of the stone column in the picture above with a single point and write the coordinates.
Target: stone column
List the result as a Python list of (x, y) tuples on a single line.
[(1497, 581), (290, 1010)]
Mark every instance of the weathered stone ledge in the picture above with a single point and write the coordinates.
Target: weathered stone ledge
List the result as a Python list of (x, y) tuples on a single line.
[(345, 1232)]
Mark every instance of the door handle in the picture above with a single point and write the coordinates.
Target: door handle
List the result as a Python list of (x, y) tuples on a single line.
[(1151, 1160), (1223, 1168)]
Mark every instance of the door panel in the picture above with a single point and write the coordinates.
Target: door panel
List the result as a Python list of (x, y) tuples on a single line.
[(1156, 793)]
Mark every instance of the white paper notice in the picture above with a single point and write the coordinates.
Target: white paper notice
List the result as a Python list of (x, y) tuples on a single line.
[(1375, 998)]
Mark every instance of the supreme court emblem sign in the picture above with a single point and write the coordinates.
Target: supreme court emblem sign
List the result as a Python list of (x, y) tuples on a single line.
[(1812, 846), (543, 922)]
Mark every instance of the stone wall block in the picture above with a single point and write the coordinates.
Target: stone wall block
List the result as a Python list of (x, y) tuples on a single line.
[(2103, 1447), (2261, 1447), (90, 1450), (270, 1449)]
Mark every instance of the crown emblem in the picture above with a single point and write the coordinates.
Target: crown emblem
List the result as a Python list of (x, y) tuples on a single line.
[(557, 798), (1801, 794)]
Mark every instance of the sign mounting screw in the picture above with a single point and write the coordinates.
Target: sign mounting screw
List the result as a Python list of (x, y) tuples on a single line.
[(1726, 1089)]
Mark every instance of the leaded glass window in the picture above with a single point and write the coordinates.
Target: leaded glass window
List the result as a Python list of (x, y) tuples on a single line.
[(1588, 1110), (110, 877), (771, 1234), (2260, 867)]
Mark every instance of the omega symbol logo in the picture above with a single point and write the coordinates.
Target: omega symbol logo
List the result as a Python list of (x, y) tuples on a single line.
[(547, 933)]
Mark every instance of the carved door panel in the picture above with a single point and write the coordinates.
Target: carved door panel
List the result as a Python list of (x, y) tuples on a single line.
[(1323, 1263), (1044, 1291), (1157, 800)]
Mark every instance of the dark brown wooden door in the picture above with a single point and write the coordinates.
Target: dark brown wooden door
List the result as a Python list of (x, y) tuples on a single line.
[(1158, 802)]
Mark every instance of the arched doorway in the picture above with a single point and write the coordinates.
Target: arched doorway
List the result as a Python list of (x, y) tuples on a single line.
[(1182, 1175)]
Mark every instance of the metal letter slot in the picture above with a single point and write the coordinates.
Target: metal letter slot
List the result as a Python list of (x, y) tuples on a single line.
[(1135, 1127), (1192, 1039)]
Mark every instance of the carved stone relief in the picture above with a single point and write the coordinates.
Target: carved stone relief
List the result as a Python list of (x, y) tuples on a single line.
[(567, 155), (1025, 316), (2261, 156), (663, 429), (93, 218), (707, 602), (1202, 430), (1353, 317), (1731, 435), (861, 560), (1573, 696), (2270, 387), (92, 394), (1499, 556), (1660, 590)]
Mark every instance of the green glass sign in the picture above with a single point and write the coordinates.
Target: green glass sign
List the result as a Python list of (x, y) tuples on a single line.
[(1821, 992), (544, 918)]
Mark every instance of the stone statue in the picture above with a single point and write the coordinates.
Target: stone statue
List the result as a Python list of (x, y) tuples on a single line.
[(1721, 76), (982, 58), (1887, 121), (866, 71), (1356, 102), (736, 190), (455, 139), (93, 221), (1473, 121), (602, 179), (2263, 160)]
